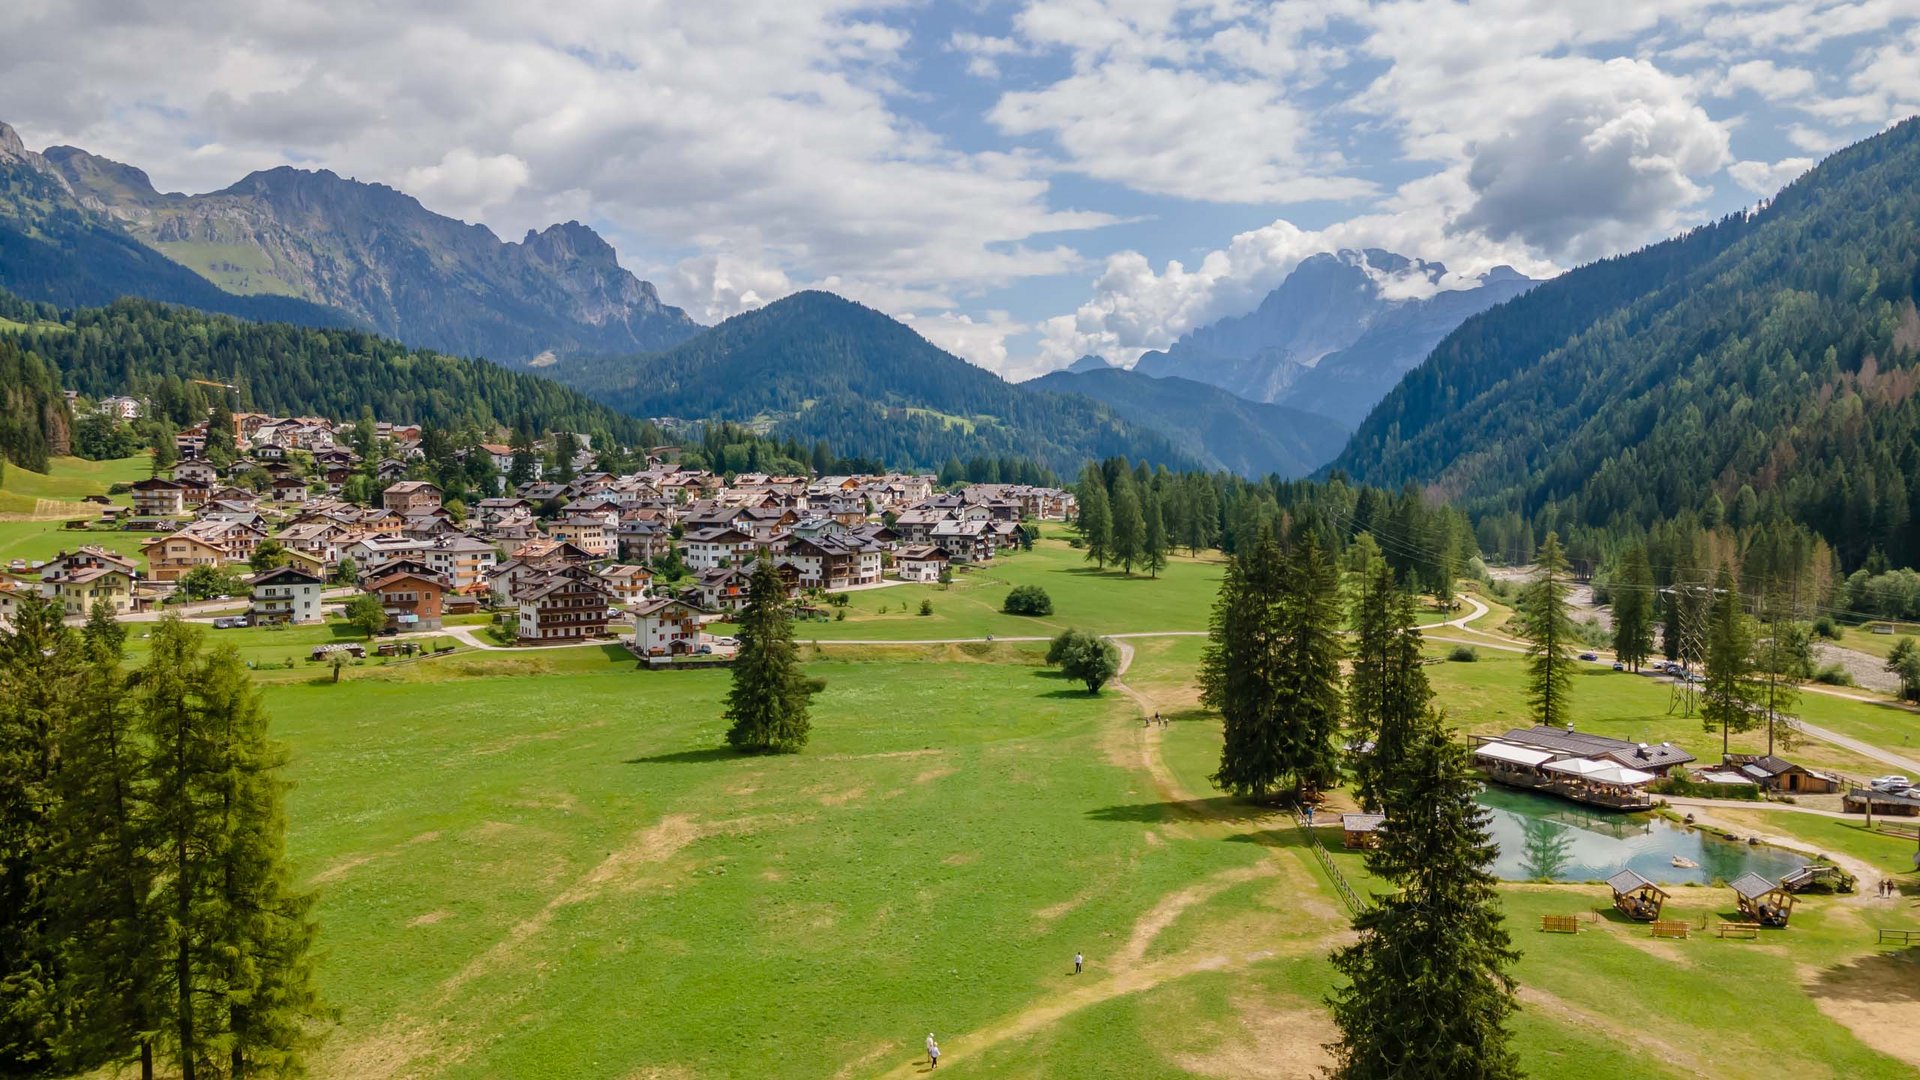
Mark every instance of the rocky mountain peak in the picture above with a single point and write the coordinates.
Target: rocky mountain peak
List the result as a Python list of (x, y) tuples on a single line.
[(568, 241), (11, 148)]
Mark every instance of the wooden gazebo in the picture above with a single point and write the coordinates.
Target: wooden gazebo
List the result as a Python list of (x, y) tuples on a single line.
[(1763, 901), (1636, 897), (1361, 830)]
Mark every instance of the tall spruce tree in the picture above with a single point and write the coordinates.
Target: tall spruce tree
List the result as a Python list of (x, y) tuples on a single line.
[(1387, 688), (1239, 670), (1310, 699), (1778, 660), (1429, 991), (1096, 516), (40, 681), (236, 968), (111, 933), (1154, 549), (1548, 630), (1633, 597), (259, 929), (1129, 523), (767, 707), (1729, 698)]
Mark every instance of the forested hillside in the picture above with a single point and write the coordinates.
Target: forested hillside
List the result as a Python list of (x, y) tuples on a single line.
[(1760, 368), (34, 425), (815, 366), (1209, 424), (156, 351)]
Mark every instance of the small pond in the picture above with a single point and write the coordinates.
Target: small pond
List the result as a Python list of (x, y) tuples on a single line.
[(1542, 837)]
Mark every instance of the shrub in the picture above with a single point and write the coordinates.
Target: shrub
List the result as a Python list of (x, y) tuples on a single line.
[(926, 607), (840, 615), (1028, 600), (1833, 675), (1825, 627), (1463, 654)]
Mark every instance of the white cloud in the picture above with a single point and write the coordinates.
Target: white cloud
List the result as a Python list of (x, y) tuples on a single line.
[(1764, 179), (464, 184), (717, 287), (983, 341), (1769, 80)]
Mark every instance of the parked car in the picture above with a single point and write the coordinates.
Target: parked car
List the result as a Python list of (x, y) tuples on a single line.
[(1589, 656), (704, 650), (1618, 666), (1892, 785), (229, 622), (729, 642)]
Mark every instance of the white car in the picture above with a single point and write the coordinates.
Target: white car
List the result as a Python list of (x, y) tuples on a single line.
[(1890, 784)]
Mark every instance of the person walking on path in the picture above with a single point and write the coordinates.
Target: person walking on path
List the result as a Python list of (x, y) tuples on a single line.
[(1079, 963), (933, 1052)]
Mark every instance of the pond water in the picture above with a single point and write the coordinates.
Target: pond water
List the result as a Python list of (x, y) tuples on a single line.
[(1542, 837)]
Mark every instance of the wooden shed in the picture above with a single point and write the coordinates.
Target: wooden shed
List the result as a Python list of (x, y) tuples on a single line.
[(1636, 897), (1361, 830), (1762, 901)]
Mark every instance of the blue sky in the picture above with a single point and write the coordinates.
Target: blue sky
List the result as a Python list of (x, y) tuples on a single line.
[(1022, 181)]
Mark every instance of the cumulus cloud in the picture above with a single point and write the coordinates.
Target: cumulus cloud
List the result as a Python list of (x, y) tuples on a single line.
[(983, 340), (1769, 80), (1763, 179), (464, 183)]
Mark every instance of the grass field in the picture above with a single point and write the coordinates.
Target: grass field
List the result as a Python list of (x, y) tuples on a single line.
[(58, 491), (541, 864)]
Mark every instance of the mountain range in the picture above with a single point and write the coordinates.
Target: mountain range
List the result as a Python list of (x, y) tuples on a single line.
[(315, 248), (1763, 367), (1336, 334), (1250, 438)]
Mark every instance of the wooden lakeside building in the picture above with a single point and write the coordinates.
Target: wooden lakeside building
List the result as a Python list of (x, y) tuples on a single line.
[(1637, 898), (1762, 901), (1592, 769)]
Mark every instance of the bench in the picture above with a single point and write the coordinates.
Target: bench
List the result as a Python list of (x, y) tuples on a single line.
[(1750, 930), (1560, 924), (1668, 928)]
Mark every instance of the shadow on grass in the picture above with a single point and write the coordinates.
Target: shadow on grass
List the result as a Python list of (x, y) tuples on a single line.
[(688, 757), (1224, 809), (1882, 977)]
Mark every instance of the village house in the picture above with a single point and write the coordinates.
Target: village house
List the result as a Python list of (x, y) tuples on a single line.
[(157, 497), (202, 543), (834, 561), (195, 472), (287, 594), (562, 604), (590, 533), (666, 626), (643, 539), (964, 541), (922, 562), (496, 510), (463, 560), (626, 584), (289, 491), (371, 551), (412, 594), (411, 497), (319, 539), (707, 549), (80, 579), (1780, 775)]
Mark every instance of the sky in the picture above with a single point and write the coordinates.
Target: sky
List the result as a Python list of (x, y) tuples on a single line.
[(1023, 182)]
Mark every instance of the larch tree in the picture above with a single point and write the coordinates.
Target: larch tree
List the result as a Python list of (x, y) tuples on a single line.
[(40, 681), (1154, 550), (768, 705), (1729, 698), (112, 935), (1548, 630), (1633, 597), (1129, 523), (1387, 688), (1096, 517), (1310, 699), (1239, 670), (1429, 990)]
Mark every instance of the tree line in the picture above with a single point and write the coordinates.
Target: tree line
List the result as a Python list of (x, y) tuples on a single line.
[(147, 913), (1428, 987)]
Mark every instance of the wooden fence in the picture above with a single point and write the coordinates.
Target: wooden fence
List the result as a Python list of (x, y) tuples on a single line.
[(1347, 896)]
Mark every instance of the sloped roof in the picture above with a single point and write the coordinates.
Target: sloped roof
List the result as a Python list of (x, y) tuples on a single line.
[(1751, 886), (1627, 881)]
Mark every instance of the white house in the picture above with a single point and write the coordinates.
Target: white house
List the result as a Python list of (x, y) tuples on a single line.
[(662, 624), (705, 549), (285, 595), (921, 563)]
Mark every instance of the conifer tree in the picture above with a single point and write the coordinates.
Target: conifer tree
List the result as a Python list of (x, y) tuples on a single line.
[(1239, 676), (1429, 991), (40, 679), (1129, 524), (1729, 698), (521, 470), (767, 706), (1633, 596), (260, 931), (111, 933), (1154, 550), (1387, 688), (1548, 630), (1096, 517), (1309, 703)]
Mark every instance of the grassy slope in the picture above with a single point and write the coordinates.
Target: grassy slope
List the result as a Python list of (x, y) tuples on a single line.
[(55, 495)]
